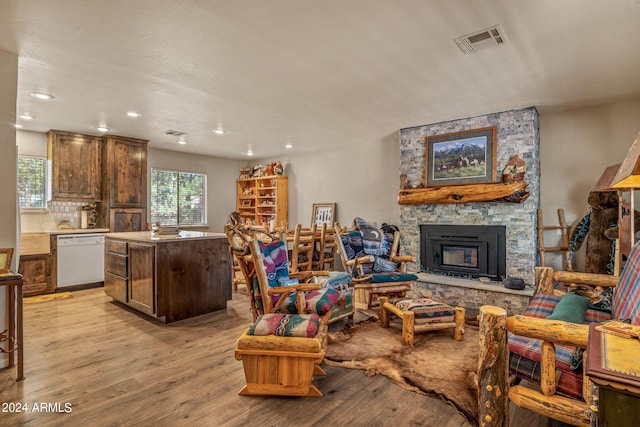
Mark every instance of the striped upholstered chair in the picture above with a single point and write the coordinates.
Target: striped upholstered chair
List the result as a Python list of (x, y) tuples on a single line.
[(563, 392)]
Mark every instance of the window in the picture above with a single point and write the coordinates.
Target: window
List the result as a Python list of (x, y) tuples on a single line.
[(32, 183), (178, 198)]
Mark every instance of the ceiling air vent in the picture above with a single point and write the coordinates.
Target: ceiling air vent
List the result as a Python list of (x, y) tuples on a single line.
[(489, 37), (173, 133)]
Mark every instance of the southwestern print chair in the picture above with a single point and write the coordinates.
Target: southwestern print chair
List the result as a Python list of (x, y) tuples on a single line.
[(372, 258), (546, 343), (281, 351)]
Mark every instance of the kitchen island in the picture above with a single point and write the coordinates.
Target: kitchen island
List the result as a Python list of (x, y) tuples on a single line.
[(170, 277)]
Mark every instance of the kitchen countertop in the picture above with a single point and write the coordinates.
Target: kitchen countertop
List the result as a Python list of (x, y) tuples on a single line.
[(150, 237), (70, 231)]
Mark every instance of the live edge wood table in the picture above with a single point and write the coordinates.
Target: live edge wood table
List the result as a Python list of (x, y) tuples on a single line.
[(613, 363), (170, 277), (12, 339)]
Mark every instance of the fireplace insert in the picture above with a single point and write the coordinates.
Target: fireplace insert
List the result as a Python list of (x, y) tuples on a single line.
[(464, 250)]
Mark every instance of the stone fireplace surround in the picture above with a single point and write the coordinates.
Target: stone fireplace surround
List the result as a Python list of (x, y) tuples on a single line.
[(517, 133)]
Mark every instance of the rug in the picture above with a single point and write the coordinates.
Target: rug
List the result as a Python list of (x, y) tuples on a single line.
[(436, 366), (47, 297)]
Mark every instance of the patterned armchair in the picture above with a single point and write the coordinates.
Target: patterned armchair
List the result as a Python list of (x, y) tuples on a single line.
[(283, 348), (372, 258), (546, 343)]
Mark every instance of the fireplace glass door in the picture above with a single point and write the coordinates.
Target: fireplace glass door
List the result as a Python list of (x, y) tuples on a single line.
[(467, 250)]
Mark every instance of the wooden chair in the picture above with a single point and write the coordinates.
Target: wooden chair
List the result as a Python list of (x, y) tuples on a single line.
[(281, 351), (303, 246), (422, 315), (373, 275), (244, 273), (326, 248), (541, 350)]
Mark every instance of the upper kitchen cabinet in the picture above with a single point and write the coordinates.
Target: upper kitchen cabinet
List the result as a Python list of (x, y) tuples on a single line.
[(125, 172), (124, 183), (75, 166)]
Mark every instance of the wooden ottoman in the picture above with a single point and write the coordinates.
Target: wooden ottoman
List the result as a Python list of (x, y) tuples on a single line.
[(281, 365), (420, 315)]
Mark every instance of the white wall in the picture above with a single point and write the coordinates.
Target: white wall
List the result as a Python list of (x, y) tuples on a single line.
[(362, 178), (575, 148), (8, 189), (31, 143), (221, 180)]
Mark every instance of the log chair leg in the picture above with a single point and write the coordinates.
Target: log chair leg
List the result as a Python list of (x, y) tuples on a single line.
[(384, 313), (458, 332), (408, 328)]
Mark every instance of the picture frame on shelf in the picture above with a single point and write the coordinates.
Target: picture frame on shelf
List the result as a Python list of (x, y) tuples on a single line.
[(323, 213), (6, 254), (246, 203), (467, 157)]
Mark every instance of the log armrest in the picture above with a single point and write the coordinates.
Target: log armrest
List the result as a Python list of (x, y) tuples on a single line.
[(402, 258), (367, 259)]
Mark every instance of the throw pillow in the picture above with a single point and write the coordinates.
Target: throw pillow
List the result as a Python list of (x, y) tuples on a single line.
[(570, 308)]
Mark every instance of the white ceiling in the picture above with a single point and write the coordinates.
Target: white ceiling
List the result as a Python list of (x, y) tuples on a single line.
[(316, 74)]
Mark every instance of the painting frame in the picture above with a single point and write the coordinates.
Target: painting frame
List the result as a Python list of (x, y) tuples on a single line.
[(323, 213), (246, 203), (6, 254), (457, 158)]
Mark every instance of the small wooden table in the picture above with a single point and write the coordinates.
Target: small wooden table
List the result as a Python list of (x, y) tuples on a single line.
[(613, 363), (13, 341)]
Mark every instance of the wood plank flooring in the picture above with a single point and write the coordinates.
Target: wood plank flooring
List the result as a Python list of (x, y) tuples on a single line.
[(114, 367)]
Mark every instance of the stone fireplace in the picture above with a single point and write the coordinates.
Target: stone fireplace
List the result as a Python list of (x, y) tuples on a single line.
[(517, 133)]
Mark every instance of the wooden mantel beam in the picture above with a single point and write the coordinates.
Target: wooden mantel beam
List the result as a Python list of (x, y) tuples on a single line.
[(512, 193)]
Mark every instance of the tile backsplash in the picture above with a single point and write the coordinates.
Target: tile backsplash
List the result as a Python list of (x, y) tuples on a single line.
[(36, 220)]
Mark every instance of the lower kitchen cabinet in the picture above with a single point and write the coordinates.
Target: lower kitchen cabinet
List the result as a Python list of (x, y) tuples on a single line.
[(141, 277), (168, 277), (36, 270)]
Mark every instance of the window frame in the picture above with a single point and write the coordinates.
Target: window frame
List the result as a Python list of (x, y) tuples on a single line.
[(46, 178), (204, 195)]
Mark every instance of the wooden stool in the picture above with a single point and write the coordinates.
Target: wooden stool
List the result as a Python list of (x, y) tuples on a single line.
[(281, 365), (437, 316)]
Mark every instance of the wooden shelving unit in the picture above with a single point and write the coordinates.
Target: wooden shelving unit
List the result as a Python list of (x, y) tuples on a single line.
[(262, 199)]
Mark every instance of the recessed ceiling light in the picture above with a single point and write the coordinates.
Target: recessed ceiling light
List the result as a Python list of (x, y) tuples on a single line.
[(103, 129), (133, 114), (17, 126), (182, 142), (218, 131), (42, 95), (27, 116), (288, 146)]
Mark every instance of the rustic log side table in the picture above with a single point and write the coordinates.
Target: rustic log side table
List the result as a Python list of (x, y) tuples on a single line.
[(11, 340), (613, 363)]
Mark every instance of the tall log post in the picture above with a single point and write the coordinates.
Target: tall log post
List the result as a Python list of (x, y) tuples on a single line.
[(493, 367), (544, 280), (548, 369)]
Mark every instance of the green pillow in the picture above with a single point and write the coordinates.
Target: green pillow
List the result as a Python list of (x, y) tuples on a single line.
[(570, 308)]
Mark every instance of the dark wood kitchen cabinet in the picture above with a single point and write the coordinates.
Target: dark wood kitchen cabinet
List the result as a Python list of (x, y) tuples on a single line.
[(124, 183), (75, 166), (36, 270), (168, 277), (36, 264), (141, 277)]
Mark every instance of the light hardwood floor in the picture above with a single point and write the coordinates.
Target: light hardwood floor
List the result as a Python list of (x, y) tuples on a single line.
[(113, 366)]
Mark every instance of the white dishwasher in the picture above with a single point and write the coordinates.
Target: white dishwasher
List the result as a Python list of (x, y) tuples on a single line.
[(80, 259)]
